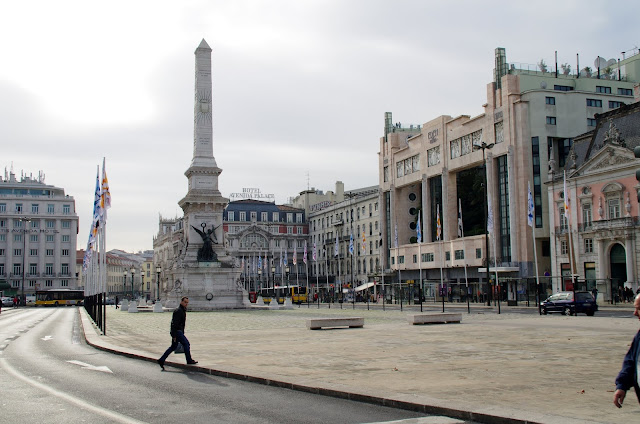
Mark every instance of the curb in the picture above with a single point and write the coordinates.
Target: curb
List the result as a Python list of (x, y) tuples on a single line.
[(92, 338)]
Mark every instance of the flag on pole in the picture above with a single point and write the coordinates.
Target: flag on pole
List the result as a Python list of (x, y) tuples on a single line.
[(489, 215), (351, 243), (364, 244), (335, 249), (281, 257), (530, 209), (266, 263), (395, 239), (284, 261), (260, 262), (294, 259), (304, 256), (242, 265), (418, 230), (105, 194), (315, 256), (438, 226), (460, 230), (566, 198), (96, 212)]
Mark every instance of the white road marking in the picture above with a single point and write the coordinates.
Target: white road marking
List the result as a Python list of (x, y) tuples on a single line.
[(84, 365), (437, 419), (69, 398), (46, 338)]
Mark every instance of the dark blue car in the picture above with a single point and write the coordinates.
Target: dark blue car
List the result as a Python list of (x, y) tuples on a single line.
[(564, 303)]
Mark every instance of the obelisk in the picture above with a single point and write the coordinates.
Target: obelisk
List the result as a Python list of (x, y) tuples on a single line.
[(206, 272), (203, 205)]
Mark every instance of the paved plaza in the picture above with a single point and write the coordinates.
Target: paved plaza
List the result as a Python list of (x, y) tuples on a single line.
[(548, 369)]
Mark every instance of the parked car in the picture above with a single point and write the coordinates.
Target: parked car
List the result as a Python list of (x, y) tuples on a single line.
[(7, 301), (564, 303)]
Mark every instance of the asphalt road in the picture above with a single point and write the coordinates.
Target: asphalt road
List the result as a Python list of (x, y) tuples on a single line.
[(49, 375)]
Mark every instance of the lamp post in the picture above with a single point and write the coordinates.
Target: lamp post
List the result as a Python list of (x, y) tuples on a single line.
[(158, 271), (273, 281), (133, 272), (484, 146), (25, 221), (124, 283), (141, 283)]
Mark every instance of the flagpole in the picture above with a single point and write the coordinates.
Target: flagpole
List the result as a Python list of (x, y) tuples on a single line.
[(420, 260), (464, 250), (441, 254)]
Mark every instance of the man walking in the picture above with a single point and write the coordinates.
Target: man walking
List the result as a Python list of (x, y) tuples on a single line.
[(178, 322), (628, 376)]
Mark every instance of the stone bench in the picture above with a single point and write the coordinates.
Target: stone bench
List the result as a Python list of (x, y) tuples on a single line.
[(436, 318), (318, 323)]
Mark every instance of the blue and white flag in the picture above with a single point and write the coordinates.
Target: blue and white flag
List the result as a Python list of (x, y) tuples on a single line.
[(335, 249), (418, 230), (351, 244), (530, 209), (460, 230), (395, 239)]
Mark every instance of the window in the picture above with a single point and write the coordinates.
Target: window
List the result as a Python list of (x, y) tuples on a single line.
[(17, 237), (50, 238), (433, 156), (66, 209), (65, 252), (1, 269), (35, 224), (275, 217), (33, 269), (3, 237), (562, 88), (586, 215), (551, 120), (459, 254), (400, 259), (289, 230), (33, 252), (3, 223), (3, 207), (386, 174), (48, 269), (563, 247), (591, 122), (415, 259), (588, 245), (34, 208), (49, 252), (65, 283), (289, 217), (243, 216), (48, 283), (447, 256), (50, 223), (625, 91), (299, 218), (550, 100), (299, 230), (230, 216), (254, 216), (64, 269), (615, 105), (17, 223), (66, 224), (51, 209), (614, 208), (17, 252), (264, 216), (17, 269), (594, 103), (19, 207), (33, 238), (65, 238), (1, 252), (601, 89)]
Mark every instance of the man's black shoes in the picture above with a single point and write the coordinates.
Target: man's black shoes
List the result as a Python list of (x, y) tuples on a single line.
[(192, 362), (161, 363)]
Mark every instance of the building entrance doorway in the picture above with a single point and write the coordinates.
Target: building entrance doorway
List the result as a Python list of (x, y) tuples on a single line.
[(618, 274)]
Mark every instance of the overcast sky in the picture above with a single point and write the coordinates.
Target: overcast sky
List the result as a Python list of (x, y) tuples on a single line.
[(300, 88)]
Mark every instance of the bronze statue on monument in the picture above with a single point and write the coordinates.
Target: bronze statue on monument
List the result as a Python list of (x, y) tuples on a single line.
[(206, 253)]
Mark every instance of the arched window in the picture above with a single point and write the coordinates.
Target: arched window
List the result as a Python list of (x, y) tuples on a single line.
[(253, 241)]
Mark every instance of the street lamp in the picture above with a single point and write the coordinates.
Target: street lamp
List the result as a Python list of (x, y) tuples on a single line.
[(141, 283), (273, 280), (133, 272), (158, 271), (124, 283), (484, 146), (25, 221)]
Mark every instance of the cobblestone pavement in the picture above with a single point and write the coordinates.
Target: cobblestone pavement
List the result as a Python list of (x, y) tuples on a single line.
[(554, 368)]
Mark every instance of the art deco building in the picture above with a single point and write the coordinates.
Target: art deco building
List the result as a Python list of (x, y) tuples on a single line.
[(532, 114), (38, 232)]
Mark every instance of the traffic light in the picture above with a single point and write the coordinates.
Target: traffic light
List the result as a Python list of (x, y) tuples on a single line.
[(636, 152)]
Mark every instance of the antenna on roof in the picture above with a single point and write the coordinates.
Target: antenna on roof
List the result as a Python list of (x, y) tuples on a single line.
[(307, 179)]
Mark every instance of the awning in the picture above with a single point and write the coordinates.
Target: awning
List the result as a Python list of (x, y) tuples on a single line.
[(365, 286)]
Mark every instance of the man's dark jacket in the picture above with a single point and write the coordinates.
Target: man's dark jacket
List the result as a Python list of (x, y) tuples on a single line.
[(178, 320), (627, 377)]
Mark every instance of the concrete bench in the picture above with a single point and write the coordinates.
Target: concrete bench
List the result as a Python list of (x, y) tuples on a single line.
[(435, 318), (318, 323)]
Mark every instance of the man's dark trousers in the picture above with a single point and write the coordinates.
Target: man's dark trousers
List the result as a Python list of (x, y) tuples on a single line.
[(180, 337)]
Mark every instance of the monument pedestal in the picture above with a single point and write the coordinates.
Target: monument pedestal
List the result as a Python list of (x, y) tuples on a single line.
[(124, 306), (209, 286)]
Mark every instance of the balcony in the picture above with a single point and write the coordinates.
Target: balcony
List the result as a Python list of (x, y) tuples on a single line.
[(604, 225)]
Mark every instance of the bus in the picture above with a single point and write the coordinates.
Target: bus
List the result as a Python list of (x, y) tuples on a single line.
[(58, 297), (298, 294)]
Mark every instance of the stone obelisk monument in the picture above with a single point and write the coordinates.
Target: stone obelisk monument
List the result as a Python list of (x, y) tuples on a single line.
[(207, 275)]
